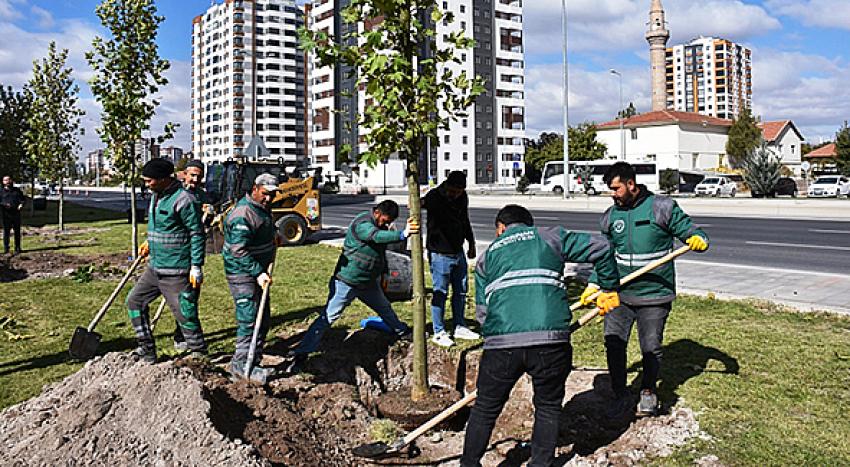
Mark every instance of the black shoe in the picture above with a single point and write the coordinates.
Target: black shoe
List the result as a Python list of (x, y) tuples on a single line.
[(620, 407), (143, 355), (297, 364), (407, 336)]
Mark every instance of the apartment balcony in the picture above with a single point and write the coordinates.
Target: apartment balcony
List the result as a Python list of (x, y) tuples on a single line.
[(238, 18)]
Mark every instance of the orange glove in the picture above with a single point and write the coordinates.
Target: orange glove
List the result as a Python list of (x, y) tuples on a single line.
[(607, 301), (144, 249)]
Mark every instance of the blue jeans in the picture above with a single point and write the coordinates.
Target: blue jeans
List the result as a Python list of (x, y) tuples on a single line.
[(340, 295), (448, 270)]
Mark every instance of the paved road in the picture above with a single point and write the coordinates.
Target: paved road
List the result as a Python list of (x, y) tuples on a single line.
[(804, 245)]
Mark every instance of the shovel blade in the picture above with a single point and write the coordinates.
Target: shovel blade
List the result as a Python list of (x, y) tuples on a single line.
[(84, 344), (372, 450)]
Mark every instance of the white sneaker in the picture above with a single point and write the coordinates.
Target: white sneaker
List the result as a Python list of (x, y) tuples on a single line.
[(463, 332), (442, 339)]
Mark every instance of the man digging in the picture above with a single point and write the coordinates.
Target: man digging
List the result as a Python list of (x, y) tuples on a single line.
[(521, 302), (641, 227), (249, 248), (175, 247), (357, 274), (448, 226)]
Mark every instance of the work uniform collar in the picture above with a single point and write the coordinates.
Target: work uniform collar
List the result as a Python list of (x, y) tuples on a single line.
[(256, 204), (173, 187), (514, 226), (643, 193)]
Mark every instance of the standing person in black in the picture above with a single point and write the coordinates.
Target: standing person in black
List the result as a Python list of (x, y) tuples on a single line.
[(448, 226), (11, 202)]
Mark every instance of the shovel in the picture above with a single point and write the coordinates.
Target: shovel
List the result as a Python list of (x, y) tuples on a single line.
[(381, 449), (257, 323), (85, 341), (157, 315)]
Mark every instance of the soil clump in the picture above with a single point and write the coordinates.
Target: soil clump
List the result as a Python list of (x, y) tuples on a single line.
[(47, 264)]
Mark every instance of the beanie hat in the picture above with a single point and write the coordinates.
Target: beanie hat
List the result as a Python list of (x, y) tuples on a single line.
[(158, 168), (195, 163), (456, 179)]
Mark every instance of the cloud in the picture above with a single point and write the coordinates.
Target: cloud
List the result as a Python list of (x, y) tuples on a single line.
[(45, 18), (605, 25), (811, 90), (8, 10), (824, 13), (594, 95)]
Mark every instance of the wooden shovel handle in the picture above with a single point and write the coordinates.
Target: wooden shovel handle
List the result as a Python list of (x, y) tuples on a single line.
[(115, 292), (625, 280), (258, 321), (438, 418)]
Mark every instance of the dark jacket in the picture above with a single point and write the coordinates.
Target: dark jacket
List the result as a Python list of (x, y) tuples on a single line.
[(248, 239), (447, 222), (11, 199), (175, 234)]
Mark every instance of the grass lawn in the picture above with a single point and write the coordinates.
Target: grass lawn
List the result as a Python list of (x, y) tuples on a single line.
[(771, 387)]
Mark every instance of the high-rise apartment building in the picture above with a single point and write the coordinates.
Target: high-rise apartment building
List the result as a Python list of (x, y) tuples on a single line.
[(487, 145), (248, 80), (709, 76)]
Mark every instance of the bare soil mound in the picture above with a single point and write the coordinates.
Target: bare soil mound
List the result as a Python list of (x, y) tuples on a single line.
[(119, 412), (43, 264), (116, 411)]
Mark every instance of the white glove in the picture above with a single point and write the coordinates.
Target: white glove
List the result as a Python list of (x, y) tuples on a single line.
[(196, 276), (411, 228), (264, 280)]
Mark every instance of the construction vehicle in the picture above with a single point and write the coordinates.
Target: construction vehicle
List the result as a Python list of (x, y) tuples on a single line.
[(296, 207)]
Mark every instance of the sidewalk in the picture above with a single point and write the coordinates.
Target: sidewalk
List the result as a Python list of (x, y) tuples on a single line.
[(804, 291), (778, 208)]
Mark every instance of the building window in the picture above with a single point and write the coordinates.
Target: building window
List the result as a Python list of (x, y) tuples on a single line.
[(446, 156), (465, 156), (634, 133), (447, 138), (465, 139)]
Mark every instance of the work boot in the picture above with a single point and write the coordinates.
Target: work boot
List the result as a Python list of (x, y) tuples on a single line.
[(648, 405), (463, 332), (297, 364), (258, 374), (620, 408), (143, 355), (442, 339)]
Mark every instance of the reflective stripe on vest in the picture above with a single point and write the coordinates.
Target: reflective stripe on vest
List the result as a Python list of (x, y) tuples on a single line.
[(525, 277), (640, 259)]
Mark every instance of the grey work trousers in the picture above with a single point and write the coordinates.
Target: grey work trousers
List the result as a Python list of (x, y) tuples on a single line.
[(618, 327), (181, 298)]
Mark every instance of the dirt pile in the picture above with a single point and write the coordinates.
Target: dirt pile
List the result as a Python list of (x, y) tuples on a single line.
[(119, 412), (44, 264)]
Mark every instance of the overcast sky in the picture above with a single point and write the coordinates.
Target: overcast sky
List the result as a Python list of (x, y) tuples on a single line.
[(801, 67)]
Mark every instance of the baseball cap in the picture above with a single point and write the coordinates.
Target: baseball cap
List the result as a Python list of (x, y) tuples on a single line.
[(267, 181)]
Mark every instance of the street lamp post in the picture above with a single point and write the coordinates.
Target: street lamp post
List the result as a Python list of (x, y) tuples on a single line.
[(620, 116), (566, 104)]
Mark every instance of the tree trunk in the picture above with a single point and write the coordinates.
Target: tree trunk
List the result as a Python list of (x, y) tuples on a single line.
[(61, 204), (419, 389), (32, 193)]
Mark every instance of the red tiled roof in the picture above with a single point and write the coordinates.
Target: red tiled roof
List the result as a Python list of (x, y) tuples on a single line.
[(662, 117), (825, 151), (771, 130)]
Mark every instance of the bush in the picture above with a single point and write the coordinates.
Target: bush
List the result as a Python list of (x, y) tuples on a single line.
[(668, 180), (522, 184)]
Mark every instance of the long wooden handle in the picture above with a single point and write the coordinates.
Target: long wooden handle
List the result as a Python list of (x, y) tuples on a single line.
[(439, 418), (630, 277), (158, 314), (258, 322), (115, 292)]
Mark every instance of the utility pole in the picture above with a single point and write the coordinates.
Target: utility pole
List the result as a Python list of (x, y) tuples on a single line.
[(566, 105)]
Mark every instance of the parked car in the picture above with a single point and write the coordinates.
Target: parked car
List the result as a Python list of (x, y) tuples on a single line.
[(716, 186), (784, 187), (829, 186)]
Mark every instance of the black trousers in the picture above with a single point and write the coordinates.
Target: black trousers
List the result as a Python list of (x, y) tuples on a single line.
[(11, 221), (618, 326), (498, 371)]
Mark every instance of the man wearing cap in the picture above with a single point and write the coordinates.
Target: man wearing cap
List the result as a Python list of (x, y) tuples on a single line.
[(193, 179), (357, 272), (249, 248), (175, 247), (448, 226)]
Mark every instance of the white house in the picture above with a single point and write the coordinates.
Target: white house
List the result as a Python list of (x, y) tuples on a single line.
[(671, 139), (785, 140)]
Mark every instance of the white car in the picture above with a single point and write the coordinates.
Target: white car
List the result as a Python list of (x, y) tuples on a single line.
[(829, 186), (716, 186)]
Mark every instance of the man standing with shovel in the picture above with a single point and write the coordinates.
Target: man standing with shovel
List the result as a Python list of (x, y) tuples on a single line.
[(249, 248), (521, 301), (641, 227), (175, 245)]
